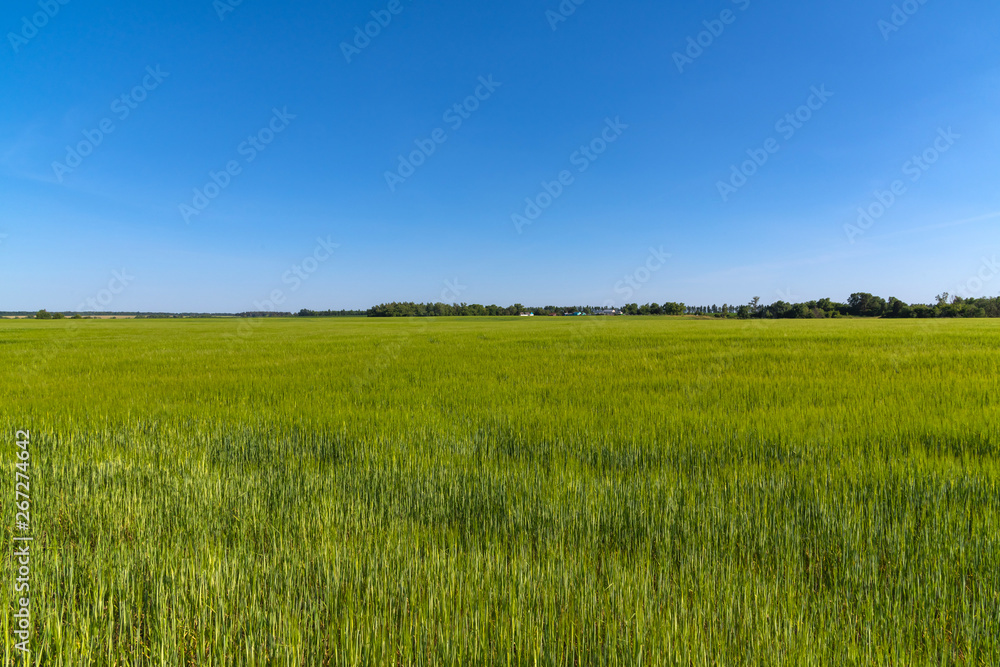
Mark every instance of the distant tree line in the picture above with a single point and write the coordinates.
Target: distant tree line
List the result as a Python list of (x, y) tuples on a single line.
[(863, 304), (669, 308), (46, 315), (410, 309), (87, 315), (332, 313), (859, 304), (161, 316)]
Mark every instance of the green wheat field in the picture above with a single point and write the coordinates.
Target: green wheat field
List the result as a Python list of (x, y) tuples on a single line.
[(522, 491)]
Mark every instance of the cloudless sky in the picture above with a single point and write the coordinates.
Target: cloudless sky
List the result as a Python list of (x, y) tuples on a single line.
[(446, 233)]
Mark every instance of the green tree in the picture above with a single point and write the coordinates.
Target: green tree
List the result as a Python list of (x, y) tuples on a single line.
[(863, 304), (800, 311)]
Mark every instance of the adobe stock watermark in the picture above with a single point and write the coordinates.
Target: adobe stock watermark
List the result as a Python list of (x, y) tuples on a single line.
[(363, 36), (562, 13), (454, 116), (452, 291), (787, 295), (120, 280), (254, 145), (626, 288), (122, 107), (714, 29), (23, 524), (224, 7), (294, 277), (787, 126), (31, 25), (913, 169), (581, 159), (901, 15), (988, 270), (632, 283), (31, 371)]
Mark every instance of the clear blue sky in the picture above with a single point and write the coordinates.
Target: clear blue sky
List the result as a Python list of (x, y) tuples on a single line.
[(65, 229)]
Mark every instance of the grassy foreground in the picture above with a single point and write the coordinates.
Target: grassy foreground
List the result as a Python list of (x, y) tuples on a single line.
[(565, 491)]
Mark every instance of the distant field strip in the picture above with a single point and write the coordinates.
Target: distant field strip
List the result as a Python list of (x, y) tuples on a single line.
[(507, 491)]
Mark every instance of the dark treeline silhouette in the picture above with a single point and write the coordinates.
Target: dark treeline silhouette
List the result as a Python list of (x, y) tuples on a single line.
[(332, 313), (409, 309), (92, 314), (860, 304)]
